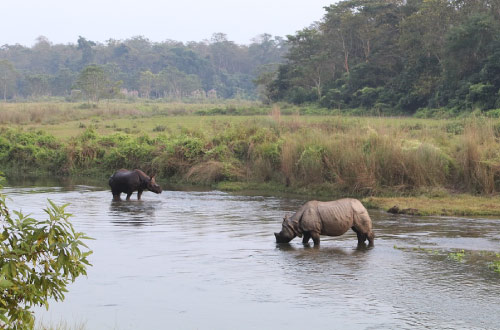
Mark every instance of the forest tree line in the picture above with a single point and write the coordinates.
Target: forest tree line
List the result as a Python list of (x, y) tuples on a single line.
[(137, 67), (364, 56), (395, 56)]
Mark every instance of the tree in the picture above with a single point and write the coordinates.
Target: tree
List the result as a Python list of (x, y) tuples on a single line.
[(95, 83), (424, 31), (177, 84), (61, 83), (38, 84), (310, 58), (468, 44), (218, 63), (38, 259), (87, 52), (263, 81), (403, 54), (7, 77), (146, 83), (227, 57), (338, 28)]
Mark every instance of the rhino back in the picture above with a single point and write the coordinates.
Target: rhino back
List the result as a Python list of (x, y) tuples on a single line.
[(298, 215), (337, 217), (124, 180)]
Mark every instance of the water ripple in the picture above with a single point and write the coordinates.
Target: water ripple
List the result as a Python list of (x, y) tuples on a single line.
[(196, 258)]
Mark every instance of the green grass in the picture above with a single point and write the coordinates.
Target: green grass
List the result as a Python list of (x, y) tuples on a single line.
[(495, 264), (457, 256), (452, 204), (465, 258)]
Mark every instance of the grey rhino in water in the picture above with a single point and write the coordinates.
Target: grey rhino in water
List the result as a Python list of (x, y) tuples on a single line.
[(327, 218), (125, 181)]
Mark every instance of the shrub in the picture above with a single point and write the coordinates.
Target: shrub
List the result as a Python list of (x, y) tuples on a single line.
[(159, 128), (332, 99), (38, 259)]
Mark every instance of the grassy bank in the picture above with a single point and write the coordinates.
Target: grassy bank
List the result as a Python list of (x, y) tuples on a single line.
[(317, 156), (449, 205)]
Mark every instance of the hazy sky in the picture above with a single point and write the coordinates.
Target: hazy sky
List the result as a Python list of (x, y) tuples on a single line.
[(62, 21)]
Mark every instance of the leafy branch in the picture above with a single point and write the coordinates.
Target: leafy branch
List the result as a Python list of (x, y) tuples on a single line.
[(38, 259)]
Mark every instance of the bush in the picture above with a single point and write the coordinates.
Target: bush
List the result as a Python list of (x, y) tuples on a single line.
[(332, 99), (482, 96), (38, 259), (367, 96)]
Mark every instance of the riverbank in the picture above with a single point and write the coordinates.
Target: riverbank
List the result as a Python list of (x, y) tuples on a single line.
[(445, 167), (447, 204), (452, 205)]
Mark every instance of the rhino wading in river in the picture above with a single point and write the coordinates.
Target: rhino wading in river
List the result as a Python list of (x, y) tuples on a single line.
[(125, 181), (327, 218)]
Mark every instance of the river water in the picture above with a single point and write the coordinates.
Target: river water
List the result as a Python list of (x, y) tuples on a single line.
[(208, 260)]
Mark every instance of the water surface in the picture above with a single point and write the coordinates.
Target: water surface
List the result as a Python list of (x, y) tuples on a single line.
[(208, 260)]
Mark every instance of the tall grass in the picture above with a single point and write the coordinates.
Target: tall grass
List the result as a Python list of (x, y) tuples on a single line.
[(348, 155)]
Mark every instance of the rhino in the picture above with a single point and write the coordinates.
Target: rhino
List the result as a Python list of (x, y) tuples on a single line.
[(327, 218), (125, 181)]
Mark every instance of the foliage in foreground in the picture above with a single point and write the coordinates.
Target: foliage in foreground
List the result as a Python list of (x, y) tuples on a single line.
[(38, 259)]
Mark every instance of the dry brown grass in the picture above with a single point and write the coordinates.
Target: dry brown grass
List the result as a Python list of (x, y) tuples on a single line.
[(276, 114), (206, 173), (212, 172)]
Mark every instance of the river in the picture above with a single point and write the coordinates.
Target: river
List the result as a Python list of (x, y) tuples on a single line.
[(208, 260)]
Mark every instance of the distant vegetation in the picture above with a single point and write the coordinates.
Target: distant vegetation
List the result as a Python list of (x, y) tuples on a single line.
[(396, 57), (430, 58), (136, 67)]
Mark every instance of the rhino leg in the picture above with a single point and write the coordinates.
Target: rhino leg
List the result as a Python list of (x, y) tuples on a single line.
[(370, 236), (139, 193), (306, 238), (361, 236), (128, 195), (315, 237)]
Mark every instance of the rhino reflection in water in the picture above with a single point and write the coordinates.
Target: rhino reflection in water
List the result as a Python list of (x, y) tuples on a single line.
[(125, 181), (327, 218)]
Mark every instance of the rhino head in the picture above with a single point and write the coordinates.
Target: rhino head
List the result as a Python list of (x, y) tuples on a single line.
[(287, 232), (153, 186)]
